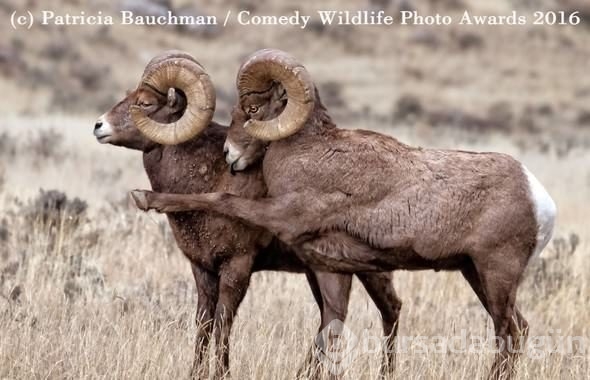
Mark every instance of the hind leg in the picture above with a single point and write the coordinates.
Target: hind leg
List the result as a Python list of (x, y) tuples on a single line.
[(495, 281), (381, 290), (507, 322)]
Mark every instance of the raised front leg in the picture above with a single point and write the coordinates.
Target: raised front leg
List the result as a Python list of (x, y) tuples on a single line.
[(234, 279), (207, 293), (279, 215)]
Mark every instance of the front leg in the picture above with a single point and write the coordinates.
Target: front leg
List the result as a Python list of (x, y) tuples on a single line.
[(207, 291), (147, 200), (381, 290), (310, 365), (234, 280), (332, 293)]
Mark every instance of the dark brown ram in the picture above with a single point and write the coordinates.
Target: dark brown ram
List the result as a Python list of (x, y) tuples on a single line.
[(175, 101)]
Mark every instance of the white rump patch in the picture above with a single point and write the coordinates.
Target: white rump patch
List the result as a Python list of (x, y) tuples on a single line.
[(545, 211)]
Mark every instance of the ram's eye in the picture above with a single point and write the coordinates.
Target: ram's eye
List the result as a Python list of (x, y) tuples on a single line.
[(144, 104), (252, 109)]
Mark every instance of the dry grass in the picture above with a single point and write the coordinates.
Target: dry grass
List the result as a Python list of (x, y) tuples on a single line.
[(110, 296)]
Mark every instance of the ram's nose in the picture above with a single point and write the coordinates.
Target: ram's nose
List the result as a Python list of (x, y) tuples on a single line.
[(231, 153), (102, 130)]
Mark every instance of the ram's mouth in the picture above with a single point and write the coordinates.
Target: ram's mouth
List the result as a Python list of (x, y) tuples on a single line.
[(103, 139)]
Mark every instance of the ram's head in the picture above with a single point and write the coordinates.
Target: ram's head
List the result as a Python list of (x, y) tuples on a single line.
[(174, 101), (276, 99)]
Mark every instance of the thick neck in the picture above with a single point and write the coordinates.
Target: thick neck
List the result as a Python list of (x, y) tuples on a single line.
[(190, 167)]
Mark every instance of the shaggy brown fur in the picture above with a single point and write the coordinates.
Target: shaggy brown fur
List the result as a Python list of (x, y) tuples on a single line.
[(224, 252), (350, 201)]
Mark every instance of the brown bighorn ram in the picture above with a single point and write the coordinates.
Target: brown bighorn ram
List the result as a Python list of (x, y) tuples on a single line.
[(175, 102), (354, 200)]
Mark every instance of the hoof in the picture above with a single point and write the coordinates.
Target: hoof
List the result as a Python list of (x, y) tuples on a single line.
[(140, 199)]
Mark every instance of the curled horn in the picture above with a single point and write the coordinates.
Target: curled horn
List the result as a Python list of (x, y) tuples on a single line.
[(177, 70), (257, 74)]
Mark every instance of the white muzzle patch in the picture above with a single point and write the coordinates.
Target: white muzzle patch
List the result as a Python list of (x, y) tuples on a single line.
[(233, 156), (102, 129), (232, 153)]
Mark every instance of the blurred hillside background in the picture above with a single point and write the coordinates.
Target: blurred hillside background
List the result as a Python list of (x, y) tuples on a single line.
[(85, 275), (528, 79)]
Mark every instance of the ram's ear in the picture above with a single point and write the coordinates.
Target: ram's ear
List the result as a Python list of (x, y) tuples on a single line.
[(172, 97), (280, 93), (279, 97)]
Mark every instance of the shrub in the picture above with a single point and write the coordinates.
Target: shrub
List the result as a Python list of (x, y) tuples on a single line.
[(407, 106), (1, 178), (45, 145), (7, 146), (51, 208)]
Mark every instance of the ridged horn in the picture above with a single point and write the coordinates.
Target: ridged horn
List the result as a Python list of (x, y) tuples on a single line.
[(169, 54), (257, 74), (177, 70)]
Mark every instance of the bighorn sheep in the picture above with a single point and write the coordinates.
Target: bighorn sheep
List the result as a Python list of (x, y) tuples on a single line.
[(175, 101), (355, 200)]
